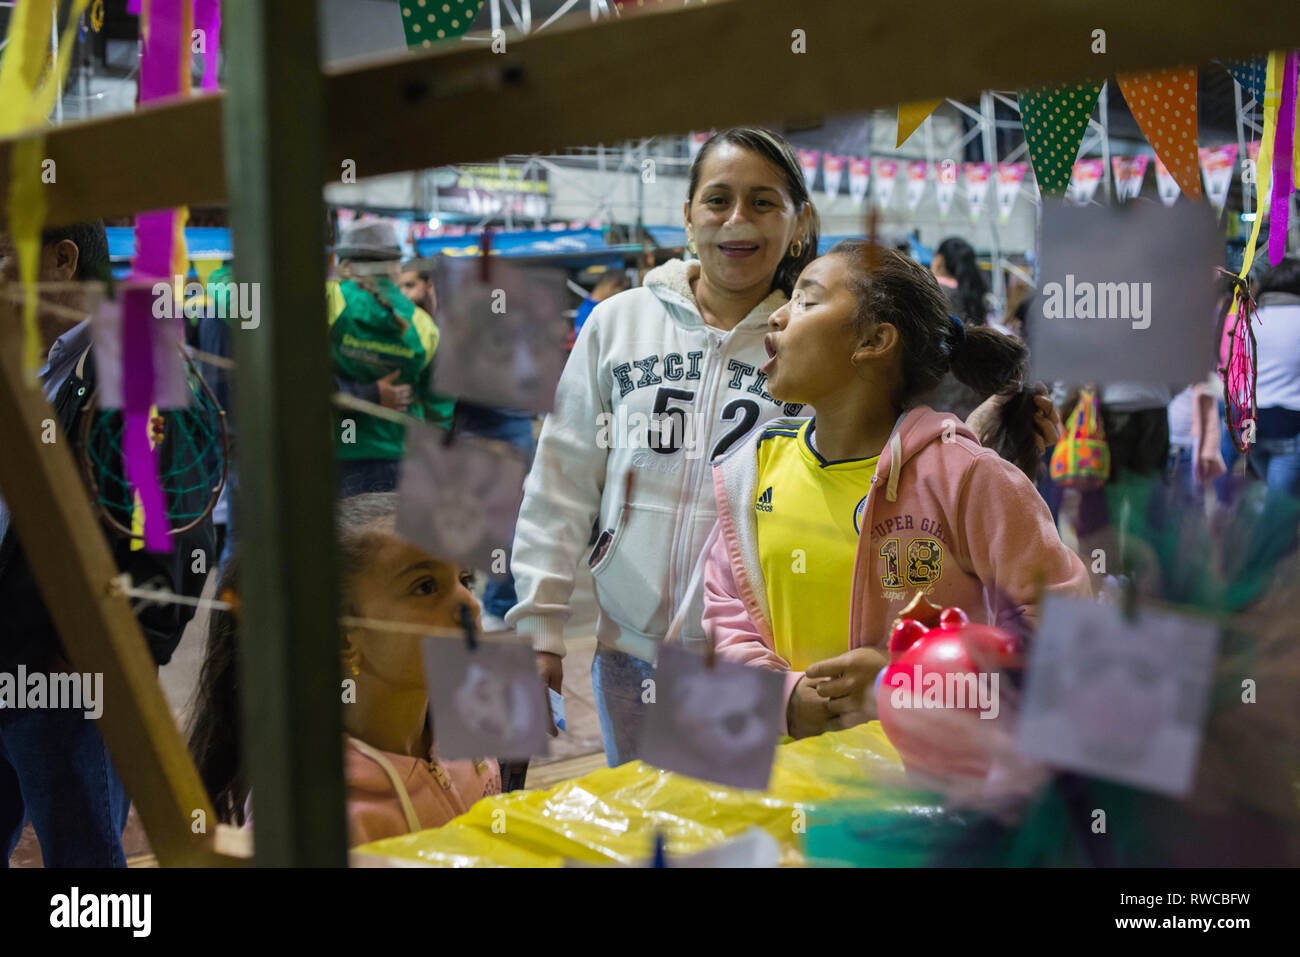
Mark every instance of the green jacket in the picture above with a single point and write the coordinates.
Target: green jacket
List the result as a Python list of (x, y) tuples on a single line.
[(366, 345)]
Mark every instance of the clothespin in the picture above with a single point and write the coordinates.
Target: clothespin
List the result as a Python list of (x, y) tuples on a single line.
[(467, 623), (485, 254)]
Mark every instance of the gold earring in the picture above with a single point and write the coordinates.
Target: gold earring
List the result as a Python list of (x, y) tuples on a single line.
[(690, 247), (796, 248)]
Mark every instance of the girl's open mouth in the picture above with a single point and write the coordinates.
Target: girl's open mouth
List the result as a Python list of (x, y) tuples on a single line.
[(738, 250), (771, 353)]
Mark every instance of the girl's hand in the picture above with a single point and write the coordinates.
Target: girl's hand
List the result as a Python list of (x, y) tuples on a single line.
[(983, 421), (394, 396), (849, 680), (806, 713)]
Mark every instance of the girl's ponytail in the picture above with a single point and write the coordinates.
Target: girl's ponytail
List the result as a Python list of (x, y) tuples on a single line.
[(992, 363)]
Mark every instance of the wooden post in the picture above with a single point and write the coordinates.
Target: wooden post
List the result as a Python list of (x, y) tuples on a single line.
[(284, 453)]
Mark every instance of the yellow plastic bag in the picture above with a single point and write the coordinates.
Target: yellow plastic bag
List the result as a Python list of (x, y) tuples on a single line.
[(611, 816)]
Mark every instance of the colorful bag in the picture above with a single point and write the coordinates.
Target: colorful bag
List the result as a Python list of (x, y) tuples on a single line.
[(1082, 457)]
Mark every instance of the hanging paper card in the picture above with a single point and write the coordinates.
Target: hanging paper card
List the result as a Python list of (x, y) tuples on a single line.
[(1128, 172), (859, 178), (460, 501), (832, 172), (886, 173), (502, 341), (718, 723), (1055, 120), (1163, 102), (427, 24), (1122, 700), (1010, 176), (1121, 292), (1084, 182), (977, 187), (696, 141), (1166, 185), (911, 116), (808, 160), (162, 339), (1217, 163), (945, 186), (486, 702), (917, 171), (1250, 74)]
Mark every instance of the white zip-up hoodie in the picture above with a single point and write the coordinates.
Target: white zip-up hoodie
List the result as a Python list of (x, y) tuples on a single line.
[(643, 355)]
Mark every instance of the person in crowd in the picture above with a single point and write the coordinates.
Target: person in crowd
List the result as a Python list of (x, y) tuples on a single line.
[(955, 268), (395, 782), (685, 351), (1195, 460), (883, 496), (55, 769), (383, 347), (612, 281)]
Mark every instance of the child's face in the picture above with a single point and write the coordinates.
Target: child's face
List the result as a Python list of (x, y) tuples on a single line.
[(405, 584), (812, 340)]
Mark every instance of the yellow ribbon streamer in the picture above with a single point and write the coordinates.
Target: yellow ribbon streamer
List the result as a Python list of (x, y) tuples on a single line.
[(1264, 162)]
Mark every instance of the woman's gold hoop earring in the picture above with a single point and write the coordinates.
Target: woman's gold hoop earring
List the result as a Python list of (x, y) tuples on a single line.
[(796, 248)]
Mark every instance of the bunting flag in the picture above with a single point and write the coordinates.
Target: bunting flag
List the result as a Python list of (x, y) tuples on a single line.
[(808, 161), (911, 116), (883, 184), (1251, 74), (1084, 181), (859, 177), (696, 141), (427, 22), (832, 171), (976, 176), (1217, 163), (917, 171), (1129, 172), (1164, 104), (945, 186), (1166, 185), (28, 89), (1010, 176), (1054, 119)]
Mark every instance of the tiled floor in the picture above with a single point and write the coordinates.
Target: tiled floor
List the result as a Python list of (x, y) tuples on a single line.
[(574, 753)]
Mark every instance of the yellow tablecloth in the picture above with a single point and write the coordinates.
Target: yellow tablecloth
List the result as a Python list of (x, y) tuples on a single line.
[(610, 816)]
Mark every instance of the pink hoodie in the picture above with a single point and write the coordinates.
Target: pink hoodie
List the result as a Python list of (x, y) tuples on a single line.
[(391, 794), (1000, 545)]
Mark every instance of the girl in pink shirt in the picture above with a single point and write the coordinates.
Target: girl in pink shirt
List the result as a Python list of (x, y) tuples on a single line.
[(395, 781)]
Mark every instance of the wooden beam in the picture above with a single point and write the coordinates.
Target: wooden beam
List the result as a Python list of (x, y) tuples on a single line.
[(70, 559), (289, 635), (718, 64)]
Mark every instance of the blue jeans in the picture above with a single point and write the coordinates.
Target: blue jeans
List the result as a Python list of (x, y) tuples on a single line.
[(1277, 462), (616, 679), (359, 476), (55, 770)]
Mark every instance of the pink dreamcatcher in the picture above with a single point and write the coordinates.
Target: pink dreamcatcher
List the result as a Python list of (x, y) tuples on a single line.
[(1239, 370)]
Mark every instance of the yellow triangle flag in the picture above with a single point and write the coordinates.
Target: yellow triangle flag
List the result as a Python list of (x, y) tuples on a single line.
[(912, 115)]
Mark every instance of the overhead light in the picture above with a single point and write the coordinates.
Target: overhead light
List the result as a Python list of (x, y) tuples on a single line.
[(434, 222)]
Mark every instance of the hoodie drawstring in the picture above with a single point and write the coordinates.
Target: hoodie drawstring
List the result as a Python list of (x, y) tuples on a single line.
[(895, 466)]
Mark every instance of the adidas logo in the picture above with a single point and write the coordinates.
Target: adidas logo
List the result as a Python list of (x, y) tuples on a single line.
[(764, 503)]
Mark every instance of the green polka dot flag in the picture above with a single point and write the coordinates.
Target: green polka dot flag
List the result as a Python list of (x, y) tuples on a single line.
[(1055, 120), (430, 21)]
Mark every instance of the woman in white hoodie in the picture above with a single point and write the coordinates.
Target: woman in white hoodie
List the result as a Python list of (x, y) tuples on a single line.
[(661, 379)]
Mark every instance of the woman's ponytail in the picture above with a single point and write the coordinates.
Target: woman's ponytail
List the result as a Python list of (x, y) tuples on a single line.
[(992, 363)]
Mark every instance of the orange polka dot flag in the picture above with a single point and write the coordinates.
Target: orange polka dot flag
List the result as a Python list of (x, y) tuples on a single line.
[(1164, 104), (429, 21), (1055, 119)]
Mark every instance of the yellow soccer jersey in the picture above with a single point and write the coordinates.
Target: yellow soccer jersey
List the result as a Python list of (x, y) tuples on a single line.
[(808, 513)]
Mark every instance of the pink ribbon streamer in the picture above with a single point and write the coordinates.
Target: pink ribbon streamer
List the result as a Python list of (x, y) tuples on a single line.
[(166, 53), (1280, 207), (207, 17)]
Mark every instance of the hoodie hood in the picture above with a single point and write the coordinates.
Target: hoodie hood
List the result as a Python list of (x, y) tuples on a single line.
[(914, 430), (671, 283)]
